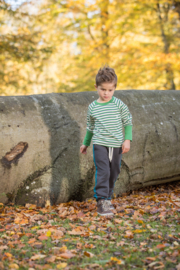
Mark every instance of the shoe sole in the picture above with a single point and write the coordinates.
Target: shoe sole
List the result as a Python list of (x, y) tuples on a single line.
[(110, 214)]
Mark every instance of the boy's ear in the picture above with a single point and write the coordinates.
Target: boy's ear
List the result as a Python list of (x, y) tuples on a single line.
[(95, 86)]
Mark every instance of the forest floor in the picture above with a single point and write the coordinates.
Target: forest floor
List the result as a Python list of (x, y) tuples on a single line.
[(143, 234)]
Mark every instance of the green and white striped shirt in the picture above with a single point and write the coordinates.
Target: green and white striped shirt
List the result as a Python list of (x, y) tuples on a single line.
[(105, 123)]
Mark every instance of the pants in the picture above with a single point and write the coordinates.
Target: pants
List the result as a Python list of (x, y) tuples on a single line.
[(106, 172)]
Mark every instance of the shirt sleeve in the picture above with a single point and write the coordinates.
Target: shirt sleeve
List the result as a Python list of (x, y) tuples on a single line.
[(126, 121), (125, 115), (90, 121), (128, 133), (89, 129), (88, 137)]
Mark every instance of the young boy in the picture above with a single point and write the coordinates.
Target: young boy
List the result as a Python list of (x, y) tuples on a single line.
[(106, 118)]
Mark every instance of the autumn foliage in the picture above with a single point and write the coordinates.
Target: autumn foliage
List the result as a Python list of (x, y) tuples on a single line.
[(58, 46), (144, 232)]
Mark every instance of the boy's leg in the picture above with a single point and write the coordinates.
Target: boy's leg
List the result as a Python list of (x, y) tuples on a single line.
[(101, 161), (114, 169)]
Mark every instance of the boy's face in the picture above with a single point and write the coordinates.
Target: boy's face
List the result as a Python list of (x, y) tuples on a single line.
[(105, 91)]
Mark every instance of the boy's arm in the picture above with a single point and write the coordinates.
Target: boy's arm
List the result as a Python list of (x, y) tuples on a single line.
[(88, 137), (128, 133), (127, 121), (89, 131)]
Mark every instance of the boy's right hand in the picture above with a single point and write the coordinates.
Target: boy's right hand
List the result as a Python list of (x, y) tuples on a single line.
[(83, 149)]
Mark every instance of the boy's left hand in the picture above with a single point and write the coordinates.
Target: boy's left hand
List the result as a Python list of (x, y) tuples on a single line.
[(125, 146)]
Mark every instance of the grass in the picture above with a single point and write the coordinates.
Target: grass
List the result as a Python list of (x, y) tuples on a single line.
[(137, 237)]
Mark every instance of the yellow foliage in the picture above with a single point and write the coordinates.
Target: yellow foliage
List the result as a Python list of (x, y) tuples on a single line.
[(61, 47)]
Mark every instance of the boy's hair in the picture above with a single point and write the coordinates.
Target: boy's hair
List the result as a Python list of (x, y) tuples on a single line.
[(106, 74)]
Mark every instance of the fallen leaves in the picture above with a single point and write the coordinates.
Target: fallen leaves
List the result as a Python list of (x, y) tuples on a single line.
[(1, 207), (43, 237), (139, 231), (71, 233), (13, 266), (37, 257), (88, 254), (161, 246), (3, 247), (61, 265), (67, 255), (129, 234)]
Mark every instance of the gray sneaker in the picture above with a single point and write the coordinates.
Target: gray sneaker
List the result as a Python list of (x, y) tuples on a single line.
[(111, 207), (103, 208)]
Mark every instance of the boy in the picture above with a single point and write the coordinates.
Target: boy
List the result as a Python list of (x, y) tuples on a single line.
[(106, 118)]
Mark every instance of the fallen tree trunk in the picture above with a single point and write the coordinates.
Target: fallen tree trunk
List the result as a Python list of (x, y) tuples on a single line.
[(41, 136)]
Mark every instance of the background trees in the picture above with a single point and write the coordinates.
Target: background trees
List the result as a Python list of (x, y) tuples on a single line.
[(58, 46)]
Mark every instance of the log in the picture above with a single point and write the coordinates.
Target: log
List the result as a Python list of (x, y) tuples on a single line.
[(41, 135)]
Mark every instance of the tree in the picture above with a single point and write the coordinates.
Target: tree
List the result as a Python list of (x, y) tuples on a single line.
[(23, 50), (61, 45), (139, 39)]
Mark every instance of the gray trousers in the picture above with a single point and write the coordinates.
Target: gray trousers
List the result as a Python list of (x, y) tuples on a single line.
[(106, 171)]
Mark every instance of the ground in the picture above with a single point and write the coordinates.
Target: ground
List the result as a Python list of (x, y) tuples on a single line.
[(143, 234)]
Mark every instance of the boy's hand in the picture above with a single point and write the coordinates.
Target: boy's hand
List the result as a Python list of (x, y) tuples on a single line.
[(83, 149), (126, 146)]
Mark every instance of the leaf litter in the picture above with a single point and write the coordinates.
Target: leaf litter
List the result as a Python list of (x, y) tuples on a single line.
[(144, 233)]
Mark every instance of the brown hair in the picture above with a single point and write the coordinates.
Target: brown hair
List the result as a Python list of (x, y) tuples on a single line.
[(106, 74)]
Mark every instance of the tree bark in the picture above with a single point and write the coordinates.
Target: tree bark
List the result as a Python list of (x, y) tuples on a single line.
[(41, 136), (104, 14), (170, 85)]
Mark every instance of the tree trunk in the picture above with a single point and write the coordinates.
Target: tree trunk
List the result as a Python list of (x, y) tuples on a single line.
[(169, 85), (41, 136), (104, 29)]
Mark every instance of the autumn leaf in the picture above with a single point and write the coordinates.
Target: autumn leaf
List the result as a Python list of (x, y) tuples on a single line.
[(13, 266), (7, 254), (43, 237), (67, 255), (139, 231), (129, 234), (114, 259), (76, 232), (151, 258), (1, 207), (79, 245), (88, 254), (161, 246), (48, 233), (62, 249), (89, 246), (121, 243), (136, 214), (80, 215), (50, 259), (38, 257), (3, 247), (30, 206), (140, 221), (118, 221), (32, 240), (61, 265)]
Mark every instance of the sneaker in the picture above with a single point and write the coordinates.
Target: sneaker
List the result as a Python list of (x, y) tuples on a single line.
[(103, 208), (111, 207)]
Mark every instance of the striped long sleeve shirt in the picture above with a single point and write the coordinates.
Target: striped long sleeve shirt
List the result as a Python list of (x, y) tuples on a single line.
[(105, 123)]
